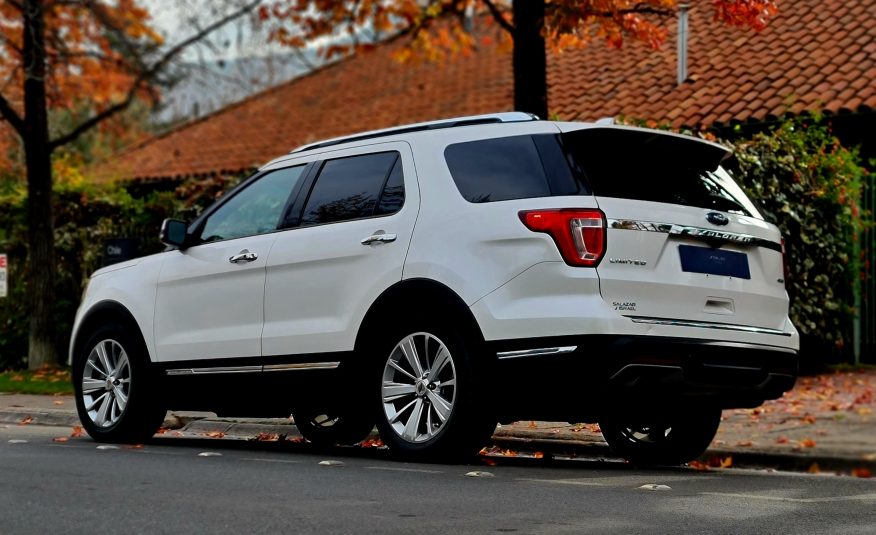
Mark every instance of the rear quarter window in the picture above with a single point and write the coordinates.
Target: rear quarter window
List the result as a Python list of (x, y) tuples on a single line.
[(517, 167)]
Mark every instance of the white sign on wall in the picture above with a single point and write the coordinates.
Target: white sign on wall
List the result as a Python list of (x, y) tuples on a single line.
[(2, 275)]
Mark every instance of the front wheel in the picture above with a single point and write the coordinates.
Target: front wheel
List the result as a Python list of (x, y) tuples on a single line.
[(116, 389), (662, 440), (431, 395)]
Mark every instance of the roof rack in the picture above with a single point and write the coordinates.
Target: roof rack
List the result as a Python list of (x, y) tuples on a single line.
[(507, 117)]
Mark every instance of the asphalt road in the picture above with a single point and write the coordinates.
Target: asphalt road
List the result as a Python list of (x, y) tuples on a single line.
[(168, 487)]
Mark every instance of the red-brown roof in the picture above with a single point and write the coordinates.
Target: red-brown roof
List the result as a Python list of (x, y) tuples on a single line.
[(816, 55)]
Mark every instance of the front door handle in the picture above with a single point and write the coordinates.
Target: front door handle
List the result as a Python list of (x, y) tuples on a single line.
[(243, 256), (379, 236)]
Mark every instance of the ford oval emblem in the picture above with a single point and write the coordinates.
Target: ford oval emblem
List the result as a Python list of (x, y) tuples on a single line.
[(717, 218)]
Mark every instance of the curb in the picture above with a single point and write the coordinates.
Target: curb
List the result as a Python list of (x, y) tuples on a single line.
[(192, 426)]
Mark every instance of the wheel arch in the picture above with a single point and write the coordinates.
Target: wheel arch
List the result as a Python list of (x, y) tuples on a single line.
[(411, 290), (106, 312)]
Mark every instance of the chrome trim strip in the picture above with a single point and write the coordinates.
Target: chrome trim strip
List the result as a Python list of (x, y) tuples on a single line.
[(695, 233), (215, 369), (707, 325), (536, 352), (255, 369), (301, 366)]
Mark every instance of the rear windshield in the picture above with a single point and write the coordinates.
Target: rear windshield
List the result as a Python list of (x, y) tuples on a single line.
[(651, 166)]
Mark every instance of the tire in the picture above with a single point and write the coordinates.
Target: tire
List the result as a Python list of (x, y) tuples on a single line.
[(672, 440), (116, 387), (329, 428), (432, 399)]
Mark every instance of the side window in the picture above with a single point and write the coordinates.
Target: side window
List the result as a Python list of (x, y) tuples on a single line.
[(518, 167), (254, 210), (351, 188)]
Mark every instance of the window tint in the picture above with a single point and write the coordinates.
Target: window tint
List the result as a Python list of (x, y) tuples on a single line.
[(655, 167), (348, 188), (519, 167), (255, 209), (393, 196)]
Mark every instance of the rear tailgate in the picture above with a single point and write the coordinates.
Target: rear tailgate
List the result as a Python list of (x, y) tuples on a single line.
[(684, 243)]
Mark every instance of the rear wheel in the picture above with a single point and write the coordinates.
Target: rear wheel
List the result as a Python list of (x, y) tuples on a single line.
[(431, 394), (327, 427), (116, 389), (662, 440)]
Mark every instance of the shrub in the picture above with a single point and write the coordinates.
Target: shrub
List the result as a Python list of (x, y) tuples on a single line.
[(810, 186)]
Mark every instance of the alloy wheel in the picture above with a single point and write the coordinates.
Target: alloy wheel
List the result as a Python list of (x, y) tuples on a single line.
[(419, 387), (106, 383)]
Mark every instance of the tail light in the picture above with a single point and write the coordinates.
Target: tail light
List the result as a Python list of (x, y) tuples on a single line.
[(579, 234)]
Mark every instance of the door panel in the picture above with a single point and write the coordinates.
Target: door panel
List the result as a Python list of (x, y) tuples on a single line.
[(210, 297), (206, 306), (321, 279)]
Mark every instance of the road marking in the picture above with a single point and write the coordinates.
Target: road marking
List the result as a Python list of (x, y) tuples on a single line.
[(209, 454), (261, 460), (580, 482), (394, 469), (830, 499), (331, 463)]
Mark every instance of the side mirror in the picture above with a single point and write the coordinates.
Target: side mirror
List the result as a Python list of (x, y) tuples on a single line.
[(173, 232)]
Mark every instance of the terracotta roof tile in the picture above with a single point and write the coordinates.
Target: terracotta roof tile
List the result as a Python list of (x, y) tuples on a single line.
[(806, 59)]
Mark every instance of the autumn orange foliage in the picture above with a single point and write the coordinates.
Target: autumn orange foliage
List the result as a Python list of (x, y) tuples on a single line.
[(87, 70), (568, 23)]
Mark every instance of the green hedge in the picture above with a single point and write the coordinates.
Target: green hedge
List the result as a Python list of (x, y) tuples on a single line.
[(810, 186)]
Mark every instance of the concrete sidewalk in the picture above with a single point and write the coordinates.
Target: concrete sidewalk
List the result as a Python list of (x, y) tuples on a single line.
[(826, 423)]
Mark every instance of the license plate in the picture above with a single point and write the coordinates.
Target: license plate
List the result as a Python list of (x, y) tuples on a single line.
[(714, 261)]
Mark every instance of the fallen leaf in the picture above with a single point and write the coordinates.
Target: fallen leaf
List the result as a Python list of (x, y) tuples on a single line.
[(698, 466), (782, 440), (538, 455), (17, 378), (77, 431), (862, 472), (372, 443), (134, 447), (296, 440), (265, 437), (809, 419), (863, 411), (532, 425), (807, 443), (215, 434), (26, 420), (814, 469), (162, 430), (60, 439), (745, 443), (57, 402)]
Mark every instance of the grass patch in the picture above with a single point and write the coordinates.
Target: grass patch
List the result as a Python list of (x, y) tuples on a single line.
[(42, 381)]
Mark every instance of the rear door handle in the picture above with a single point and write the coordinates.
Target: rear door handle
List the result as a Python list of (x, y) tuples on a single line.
[(379, 236), (243, 256)]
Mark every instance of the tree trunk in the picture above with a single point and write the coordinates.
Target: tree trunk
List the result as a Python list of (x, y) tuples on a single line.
[(38, 159), (530, 58)]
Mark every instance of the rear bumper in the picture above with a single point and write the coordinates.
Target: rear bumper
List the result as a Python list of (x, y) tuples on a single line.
[(577, 378)]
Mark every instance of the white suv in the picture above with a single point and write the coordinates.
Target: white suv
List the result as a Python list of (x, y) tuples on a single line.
[(438, 278)]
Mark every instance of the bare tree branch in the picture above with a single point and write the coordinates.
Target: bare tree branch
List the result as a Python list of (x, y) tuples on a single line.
[(148, 75), (11, 116), (499, 16)]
